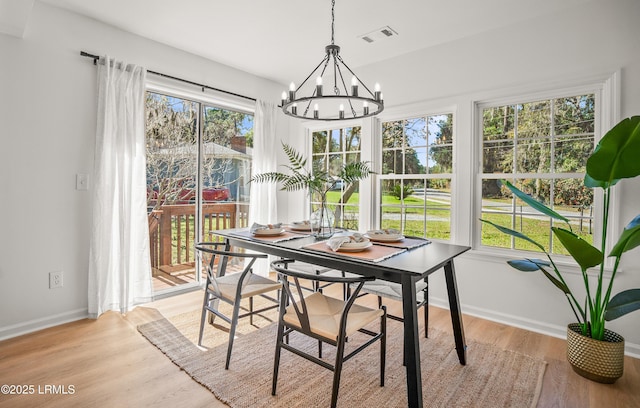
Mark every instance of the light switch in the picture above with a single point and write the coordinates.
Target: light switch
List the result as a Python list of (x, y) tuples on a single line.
[(82, 181)]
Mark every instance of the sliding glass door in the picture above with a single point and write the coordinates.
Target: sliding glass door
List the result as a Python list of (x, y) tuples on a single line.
[(198, 166)]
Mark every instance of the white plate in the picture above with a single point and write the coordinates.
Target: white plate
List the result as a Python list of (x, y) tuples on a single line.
[(354, 246), (301, 226), (385, 237), (271, 232)]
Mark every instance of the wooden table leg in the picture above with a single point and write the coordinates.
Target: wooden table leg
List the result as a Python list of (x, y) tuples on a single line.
[(456, 316), (411, 342)]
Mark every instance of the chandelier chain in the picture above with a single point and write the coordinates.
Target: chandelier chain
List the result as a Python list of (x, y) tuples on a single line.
[(333, 17)]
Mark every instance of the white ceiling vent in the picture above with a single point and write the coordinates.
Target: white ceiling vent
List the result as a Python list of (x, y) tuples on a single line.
[(379, 34)]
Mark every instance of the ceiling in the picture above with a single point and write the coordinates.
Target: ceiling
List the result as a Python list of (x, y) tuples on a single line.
[(283, 40)]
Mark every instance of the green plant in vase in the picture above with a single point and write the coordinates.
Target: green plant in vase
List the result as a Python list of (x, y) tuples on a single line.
[(317, 183), (614, 158)]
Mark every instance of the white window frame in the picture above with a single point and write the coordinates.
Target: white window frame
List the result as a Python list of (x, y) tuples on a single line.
[(408, 114), (365, 156), (606, 89), (196, 94)]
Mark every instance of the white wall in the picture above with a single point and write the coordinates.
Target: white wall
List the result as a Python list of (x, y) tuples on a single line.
[(47, 124), (592, 40)]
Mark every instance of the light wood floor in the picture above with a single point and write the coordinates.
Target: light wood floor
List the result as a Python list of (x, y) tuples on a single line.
[(109, 364), (167, 277)]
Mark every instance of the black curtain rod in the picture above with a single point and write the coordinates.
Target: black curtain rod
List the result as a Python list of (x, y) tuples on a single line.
[(97, 57)]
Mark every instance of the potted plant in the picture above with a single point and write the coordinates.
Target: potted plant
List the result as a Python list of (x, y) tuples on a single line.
[(593, 351), (317, 183)]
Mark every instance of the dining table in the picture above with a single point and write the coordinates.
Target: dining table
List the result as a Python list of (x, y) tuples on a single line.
[(400, 263)]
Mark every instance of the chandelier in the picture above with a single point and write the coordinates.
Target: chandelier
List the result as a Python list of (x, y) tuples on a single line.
[(331, 105)]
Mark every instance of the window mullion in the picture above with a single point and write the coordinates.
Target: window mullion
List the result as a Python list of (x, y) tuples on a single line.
[(515, 171), (552, 163)]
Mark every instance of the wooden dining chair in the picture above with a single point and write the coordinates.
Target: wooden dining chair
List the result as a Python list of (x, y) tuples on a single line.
[(232, 288), (315, 286), (326, 319), (392, 290)]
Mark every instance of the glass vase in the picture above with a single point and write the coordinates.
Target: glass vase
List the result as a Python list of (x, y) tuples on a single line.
[(322, 220)]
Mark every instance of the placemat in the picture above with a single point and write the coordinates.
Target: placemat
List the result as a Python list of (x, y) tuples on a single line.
[(286, 236), (375, 253), (407, 243)]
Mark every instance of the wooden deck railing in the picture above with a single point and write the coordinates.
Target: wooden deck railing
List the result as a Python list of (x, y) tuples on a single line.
[(172, 229)]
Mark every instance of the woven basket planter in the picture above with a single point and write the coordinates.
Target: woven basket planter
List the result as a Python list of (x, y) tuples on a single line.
[(600, 361)]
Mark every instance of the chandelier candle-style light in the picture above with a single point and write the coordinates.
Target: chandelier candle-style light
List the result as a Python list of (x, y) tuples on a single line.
[(324, 105)]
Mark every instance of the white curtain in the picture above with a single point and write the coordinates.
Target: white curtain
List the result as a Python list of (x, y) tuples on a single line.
[(119, 263), (263, 204)]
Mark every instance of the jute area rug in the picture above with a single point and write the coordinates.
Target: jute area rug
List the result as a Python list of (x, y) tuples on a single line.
[(491, 378)]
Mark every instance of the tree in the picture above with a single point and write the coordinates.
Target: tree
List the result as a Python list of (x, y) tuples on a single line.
[(549, 136), (441, 150), (171, 126), (221, 126), (395, 145), (402, 192), (497, 153), (172, 143)]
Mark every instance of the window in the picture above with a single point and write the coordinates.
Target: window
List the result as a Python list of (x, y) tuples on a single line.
[(227, 148), (198, 165), (417, 168), (330, 151), (541, 147), (172, 131)]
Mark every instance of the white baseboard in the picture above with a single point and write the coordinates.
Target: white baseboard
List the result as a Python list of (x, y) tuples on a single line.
[(630, 349), (31, 326)]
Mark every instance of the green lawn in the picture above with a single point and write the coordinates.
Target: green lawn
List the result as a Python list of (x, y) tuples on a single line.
[(439, 229), (434, 229), (334, 197), (535, 228)]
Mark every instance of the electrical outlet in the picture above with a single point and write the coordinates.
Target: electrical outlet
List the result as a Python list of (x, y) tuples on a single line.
[(55, 279)]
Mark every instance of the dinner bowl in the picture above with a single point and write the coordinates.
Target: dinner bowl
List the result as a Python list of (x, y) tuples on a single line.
[(301, 225), (268, 232), (381, 236)]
